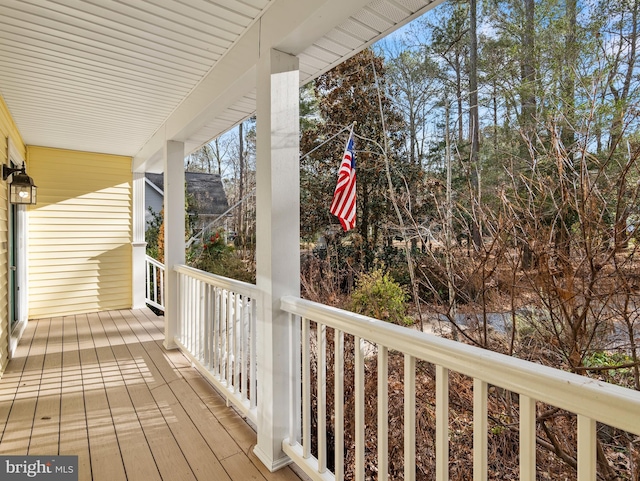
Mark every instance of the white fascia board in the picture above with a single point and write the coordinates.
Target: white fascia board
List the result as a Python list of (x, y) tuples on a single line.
[(306, 25), (149, 158), (154, 187), (288, 25), (13, 153), (232, 78), (416, 14)]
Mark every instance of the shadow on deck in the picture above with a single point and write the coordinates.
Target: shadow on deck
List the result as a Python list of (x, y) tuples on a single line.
[(102, 387)]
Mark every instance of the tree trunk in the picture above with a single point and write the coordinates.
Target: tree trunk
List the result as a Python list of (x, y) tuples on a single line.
[(474, 135), (239, 219), (528, 62), (621, 95), (567, 134), (458, 68), (412, 137), (528, 99), (568, 77)]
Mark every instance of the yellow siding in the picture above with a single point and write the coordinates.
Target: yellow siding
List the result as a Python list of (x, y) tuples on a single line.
[(7, 129), (79, 232)]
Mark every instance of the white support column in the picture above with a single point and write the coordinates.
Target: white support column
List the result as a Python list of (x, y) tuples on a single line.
[(173, 234), (138, 246), (278, 243)]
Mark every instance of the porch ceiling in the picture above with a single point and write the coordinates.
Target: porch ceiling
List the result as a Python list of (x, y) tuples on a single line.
[(123, 77)]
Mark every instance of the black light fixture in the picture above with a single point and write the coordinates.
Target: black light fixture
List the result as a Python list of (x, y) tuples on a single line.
[(22, 190)]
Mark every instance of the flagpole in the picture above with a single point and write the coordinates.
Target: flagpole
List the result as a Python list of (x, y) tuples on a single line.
[(353, 125), (252, 193), (328, 140), (343, 204)]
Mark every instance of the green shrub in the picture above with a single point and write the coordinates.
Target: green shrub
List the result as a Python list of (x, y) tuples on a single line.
[(214, 255), (153, 235), (604, 358), (377, 295)]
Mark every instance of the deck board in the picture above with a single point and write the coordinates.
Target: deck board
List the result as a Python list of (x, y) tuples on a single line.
[(11, 379), (73, 421), (102, 386), (17, 432), (46, 422)]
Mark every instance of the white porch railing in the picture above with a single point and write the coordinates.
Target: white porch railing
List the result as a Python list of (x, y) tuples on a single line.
[(217, 326), (216, 330), (592, 401), (154, 283)]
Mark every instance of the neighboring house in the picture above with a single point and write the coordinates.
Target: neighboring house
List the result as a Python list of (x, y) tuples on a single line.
[(205, 193)]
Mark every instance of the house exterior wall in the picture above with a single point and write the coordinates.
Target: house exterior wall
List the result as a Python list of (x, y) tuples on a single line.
[(154, 201), (80, 232), (8, 129)]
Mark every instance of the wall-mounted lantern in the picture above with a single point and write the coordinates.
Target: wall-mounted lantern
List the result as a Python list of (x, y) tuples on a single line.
[(22, 190)]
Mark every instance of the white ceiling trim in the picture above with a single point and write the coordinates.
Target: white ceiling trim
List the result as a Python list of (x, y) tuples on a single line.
[(124, 77), (325, 53)]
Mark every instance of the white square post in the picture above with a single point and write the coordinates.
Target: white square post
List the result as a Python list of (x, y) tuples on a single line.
[(174, 244), (138, 246), (278, 243)]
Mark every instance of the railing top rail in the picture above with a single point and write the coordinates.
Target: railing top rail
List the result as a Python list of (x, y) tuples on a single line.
[(607, 403), (155, 262), (234, 285)]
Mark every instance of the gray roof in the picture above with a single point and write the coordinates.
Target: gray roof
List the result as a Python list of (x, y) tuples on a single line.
[(205, 189)]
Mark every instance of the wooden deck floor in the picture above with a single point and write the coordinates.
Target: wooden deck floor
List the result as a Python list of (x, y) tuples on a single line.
[(102, 387)]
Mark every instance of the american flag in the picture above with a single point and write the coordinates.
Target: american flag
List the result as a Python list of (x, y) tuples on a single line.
[(344, 197)]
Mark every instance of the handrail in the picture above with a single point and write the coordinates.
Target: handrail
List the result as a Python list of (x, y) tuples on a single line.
[(216, 330), (217, 326), (592, 401), (220, 281), (154, 280), (604, 402)]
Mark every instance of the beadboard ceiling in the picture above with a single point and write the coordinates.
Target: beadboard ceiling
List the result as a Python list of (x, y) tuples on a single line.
[(111, 75)]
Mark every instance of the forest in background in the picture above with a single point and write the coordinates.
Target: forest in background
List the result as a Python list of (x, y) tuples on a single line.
[(497, 151)]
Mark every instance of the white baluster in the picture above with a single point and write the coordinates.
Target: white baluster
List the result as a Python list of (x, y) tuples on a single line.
[(480, 427), (409, 418), (442, 423)]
